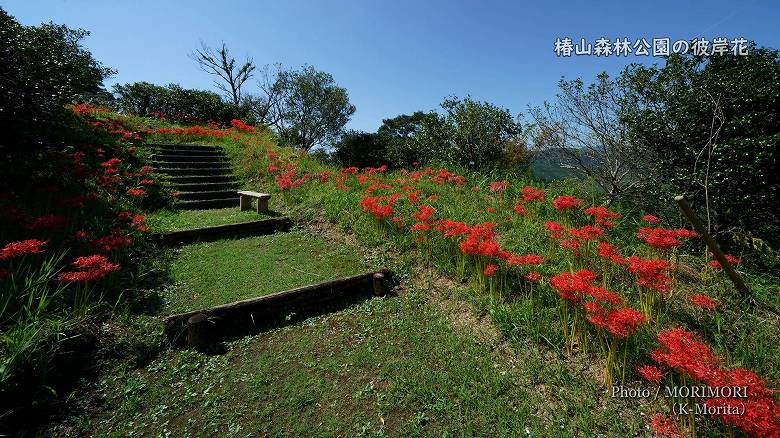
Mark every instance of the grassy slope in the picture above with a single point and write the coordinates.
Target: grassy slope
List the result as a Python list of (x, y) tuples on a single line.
[(564, 390), (213, 273), (387, 367), (172, 220)]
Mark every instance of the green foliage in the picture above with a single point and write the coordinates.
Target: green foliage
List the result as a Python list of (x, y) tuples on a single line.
[(316, 109), (476, 133), (361, 149), (177, 103), (714, 125), (400, 135), (42, 68)]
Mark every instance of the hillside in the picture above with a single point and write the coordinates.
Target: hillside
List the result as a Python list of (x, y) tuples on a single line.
[(518, 307)]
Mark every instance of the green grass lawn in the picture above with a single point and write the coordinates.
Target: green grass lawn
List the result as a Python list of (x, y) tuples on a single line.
[(212, 273), (172, 220), (386, 367)]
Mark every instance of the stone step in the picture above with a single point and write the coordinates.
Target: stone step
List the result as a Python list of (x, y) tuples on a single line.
[(194, 171), (193, 148), (188, 164), (184, 157), (207, 186), (198, 179), (206, 204), (217, 194)]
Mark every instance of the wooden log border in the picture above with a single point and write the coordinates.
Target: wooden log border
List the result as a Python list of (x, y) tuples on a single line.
[(242, 317), (207, 234)]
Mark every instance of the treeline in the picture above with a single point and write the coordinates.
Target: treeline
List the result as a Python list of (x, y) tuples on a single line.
[(473, 134)]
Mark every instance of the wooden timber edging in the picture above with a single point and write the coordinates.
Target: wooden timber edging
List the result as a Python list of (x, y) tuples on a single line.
[(198, 328), (205, 234)]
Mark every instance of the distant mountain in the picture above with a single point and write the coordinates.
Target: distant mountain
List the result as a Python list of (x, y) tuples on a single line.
[(552, 164)]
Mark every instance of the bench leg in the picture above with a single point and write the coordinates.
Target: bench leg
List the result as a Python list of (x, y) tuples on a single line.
[(262, 205), (244, 202)]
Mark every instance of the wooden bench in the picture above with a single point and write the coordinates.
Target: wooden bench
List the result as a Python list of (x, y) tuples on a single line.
[(245, 201)]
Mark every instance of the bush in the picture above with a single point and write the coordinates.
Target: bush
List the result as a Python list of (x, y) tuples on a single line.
[(42, 68), (725, 108), (177, 103), (361, 149)]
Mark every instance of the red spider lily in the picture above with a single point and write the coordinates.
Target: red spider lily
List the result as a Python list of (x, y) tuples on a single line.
[(82, 234), (241, 126), (519, 209), (587, 232), (21, 248), (604, 296), (147, 169), (573, 286), (596, 314), (566, 202), (533, 276), (602, 215), (624, 321), (663, 426), (651, 373), (377, 206), (650, 219), (490, 269), (89, 262), (572, 244), (761, 411), (421, 226), (554, 228), (663, 239), (650, 272), (490, 210), (91, 268), (48, 222), (136, 192), (683, 351), (528, 259), (731, 259), (499, 186), (531, 193), (423, 213), (111, 163), (113, 241), (147, 182), (450, 228), (609, 252), (704, 302)]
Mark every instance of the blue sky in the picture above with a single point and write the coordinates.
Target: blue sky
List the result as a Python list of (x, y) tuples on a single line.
[(395, 57)]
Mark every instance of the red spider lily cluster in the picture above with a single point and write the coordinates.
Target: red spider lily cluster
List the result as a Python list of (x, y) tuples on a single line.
[(22, 248), (663, 239), (691, 359), (80, 199), (89, 268), (417, 203)]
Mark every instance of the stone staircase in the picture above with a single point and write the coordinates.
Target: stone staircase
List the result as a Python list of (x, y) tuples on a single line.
[(201, 174)]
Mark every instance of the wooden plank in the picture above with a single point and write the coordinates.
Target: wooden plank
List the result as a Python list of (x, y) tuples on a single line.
[(253, 194), (206, 234), (243, 316), (714, 248)]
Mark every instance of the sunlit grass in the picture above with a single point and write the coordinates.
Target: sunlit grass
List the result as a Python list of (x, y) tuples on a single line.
[(214, 273)]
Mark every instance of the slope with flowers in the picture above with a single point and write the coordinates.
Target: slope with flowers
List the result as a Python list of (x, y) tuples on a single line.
[(551, 267)]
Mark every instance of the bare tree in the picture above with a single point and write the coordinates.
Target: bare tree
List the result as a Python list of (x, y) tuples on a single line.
[(221, 64), (268, 107), (583, 129), (716, 124)]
